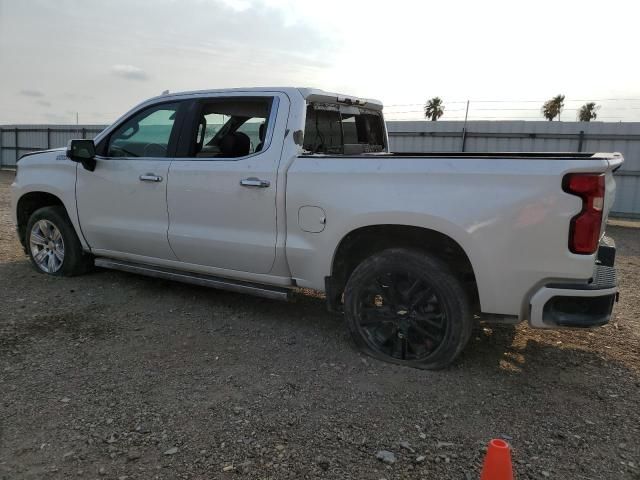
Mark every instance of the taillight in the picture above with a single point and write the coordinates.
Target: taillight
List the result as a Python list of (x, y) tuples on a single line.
[(584, 233)]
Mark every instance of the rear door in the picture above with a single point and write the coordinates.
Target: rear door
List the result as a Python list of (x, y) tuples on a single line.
[(122, 204), (221, 195)]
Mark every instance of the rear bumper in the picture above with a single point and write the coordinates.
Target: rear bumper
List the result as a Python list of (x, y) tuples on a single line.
[(579, 305)]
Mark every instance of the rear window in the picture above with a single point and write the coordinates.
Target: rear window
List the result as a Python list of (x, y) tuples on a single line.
[(336, 130)]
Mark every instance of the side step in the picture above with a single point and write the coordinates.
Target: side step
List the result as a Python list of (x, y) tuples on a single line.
[(266, 291)]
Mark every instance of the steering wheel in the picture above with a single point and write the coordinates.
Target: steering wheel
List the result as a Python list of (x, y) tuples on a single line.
[(154, 150)]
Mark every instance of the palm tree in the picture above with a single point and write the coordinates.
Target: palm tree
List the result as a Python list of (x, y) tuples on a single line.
[(553, 107), (434, 109), (587, 112)]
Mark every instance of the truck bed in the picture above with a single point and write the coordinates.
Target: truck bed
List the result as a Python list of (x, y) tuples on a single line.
[(510, 217)]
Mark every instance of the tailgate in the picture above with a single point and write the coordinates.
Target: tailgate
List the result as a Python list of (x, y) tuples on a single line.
[(615, 160)]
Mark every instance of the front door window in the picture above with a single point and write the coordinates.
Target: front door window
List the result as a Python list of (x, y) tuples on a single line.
[(146, 134)]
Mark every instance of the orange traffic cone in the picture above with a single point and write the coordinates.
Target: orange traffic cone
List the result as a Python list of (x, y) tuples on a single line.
[(497, 462)]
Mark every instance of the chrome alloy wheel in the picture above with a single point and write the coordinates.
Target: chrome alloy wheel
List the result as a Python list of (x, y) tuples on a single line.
[(47, 246)]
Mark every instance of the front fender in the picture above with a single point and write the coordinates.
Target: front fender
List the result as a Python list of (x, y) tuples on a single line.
[(48, 172)]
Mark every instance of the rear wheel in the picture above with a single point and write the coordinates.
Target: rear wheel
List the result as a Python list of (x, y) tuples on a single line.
[(52, 243), (407, 307)]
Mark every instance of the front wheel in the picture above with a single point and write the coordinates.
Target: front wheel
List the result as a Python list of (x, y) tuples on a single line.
[(407, 307), (52, 243)]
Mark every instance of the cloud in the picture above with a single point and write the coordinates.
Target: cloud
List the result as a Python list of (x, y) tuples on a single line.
[(237, 5), (59, 118), (44, 103), (77, 96), (31, 93), (129, 72)]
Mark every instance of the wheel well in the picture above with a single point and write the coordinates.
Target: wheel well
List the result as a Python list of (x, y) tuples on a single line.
[(29, 203), (366, 241)]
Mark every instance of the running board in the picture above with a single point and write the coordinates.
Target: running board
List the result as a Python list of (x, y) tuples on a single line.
[(238, 286)]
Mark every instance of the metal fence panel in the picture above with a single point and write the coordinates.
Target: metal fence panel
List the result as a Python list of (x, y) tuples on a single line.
[(16, 140), (425, 136), (526, 136)]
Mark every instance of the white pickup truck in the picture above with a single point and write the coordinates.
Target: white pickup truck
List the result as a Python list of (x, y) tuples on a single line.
[(269, 190)]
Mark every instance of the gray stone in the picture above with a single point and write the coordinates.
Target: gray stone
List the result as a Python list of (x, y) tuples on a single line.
[(133, 455), (444, 444), (386, 456), (406, 446), (244, 467), (323, 462)]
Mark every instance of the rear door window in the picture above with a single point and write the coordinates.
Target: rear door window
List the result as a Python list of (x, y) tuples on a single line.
[(231, 127)]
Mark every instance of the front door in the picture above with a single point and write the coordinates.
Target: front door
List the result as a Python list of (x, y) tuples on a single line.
[(222, 196), (122, 204)]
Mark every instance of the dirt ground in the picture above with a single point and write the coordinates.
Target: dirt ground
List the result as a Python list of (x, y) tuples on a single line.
[(116, 376)]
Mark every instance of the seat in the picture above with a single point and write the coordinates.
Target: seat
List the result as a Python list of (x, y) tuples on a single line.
[(262, 130), (202, 128), (236, 144)]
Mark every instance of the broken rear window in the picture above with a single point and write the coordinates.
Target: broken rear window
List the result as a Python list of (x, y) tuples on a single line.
[(342, 130)]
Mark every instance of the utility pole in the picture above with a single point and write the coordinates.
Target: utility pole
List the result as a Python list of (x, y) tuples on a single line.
[(464, 128)]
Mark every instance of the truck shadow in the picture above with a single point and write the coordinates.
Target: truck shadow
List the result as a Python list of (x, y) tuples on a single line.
[(130, 301), (521, 351)]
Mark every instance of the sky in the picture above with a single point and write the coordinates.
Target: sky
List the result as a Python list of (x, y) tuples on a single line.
[(93, 60)]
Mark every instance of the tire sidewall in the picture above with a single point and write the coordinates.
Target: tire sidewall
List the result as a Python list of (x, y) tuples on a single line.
[(452, 296), (73, 255)]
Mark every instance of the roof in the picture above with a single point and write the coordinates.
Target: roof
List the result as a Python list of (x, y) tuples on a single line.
[(307, 93), (317, 94)]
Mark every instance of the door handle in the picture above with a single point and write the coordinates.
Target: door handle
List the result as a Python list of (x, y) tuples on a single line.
[(150, 177), (254, 182)]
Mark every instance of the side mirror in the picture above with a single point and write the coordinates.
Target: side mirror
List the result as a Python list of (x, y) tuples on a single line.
[(84, 152)]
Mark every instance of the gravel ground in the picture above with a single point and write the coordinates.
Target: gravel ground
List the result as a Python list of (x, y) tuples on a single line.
[(117, 376)]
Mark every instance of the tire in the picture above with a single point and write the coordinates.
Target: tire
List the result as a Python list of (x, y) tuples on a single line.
[(407, 307), (52, 244)]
